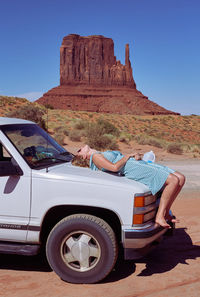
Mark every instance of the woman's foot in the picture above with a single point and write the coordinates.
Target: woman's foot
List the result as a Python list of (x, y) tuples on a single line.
[(161, 222)]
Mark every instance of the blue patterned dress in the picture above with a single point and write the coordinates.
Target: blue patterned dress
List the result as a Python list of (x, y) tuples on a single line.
[(151, 174)]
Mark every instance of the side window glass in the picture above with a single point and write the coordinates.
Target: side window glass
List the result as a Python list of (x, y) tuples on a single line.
[(4, 154), (8, 167)]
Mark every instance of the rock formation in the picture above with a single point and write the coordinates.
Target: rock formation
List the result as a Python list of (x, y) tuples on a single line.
[(91, 79), (91, 61)]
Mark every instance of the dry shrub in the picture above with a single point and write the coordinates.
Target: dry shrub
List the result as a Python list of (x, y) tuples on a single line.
[(59, 137), (146, 140), (32, 112), (107, 127), (62, 130), (75, 135), (102, 142), (196, 149), (80, 124), (125, 137), (174, 148), (101, 135)]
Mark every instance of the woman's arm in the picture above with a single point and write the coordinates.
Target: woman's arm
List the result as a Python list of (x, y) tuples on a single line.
[(101, 162)]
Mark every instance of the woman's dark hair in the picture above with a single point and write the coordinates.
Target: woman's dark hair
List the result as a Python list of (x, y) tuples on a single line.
[(79, 161)]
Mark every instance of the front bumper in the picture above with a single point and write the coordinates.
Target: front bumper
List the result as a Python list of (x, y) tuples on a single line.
[(138, 242)]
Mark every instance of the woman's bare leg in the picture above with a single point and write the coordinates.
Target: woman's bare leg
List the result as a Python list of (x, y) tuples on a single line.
[(181, 178), (167, 198)]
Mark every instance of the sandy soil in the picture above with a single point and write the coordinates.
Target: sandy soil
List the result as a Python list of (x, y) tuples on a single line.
[(172, 269)]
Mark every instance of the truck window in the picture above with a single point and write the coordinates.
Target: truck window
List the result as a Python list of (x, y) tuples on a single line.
[(36, 146), (4, 154)]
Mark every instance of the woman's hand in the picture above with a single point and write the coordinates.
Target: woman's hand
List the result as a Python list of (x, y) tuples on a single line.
[(136, 155)]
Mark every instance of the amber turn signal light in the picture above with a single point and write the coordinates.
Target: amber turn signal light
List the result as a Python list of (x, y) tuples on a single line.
[(139, 201), (138, 219)]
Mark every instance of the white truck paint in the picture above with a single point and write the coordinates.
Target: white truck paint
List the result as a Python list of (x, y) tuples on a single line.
[(81, 216)]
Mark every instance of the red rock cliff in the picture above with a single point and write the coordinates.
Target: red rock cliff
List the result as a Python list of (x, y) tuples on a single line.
[(90, 60)]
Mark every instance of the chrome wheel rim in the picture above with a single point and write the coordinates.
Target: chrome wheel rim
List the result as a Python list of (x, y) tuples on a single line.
[(80, 251)]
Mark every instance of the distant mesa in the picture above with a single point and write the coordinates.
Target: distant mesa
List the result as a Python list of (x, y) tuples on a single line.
[(91, 79)]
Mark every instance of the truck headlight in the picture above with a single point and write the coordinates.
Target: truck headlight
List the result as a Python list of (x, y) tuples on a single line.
[(144, 208), (139, 201), (138, 219)]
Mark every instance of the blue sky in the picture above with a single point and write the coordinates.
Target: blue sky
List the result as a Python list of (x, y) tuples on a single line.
[(163, 36)]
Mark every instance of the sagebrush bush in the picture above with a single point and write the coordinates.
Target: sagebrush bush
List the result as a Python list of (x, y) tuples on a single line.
[(195, 149), (63, 130), (191, 148), (174, 148), (102, 135), (75, 135), (111, 142), (80, 124), (59, 137), (146, 140), (102, 142), (107, 127), (31, 111), (125, 137)]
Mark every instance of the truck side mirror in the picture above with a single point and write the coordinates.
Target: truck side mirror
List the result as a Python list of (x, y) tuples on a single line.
[(7, 168)]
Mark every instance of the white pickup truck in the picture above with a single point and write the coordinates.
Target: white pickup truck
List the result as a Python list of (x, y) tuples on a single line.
[(80, 216)]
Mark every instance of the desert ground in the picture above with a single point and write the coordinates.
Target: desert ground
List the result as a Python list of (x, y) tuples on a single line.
[(172, 269)]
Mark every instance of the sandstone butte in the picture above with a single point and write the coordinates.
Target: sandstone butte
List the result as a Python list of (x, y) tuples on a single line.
[(91, 79)]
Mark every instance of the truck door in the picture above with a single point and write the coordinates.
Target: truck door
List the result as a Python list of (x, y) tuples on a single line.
[(14, 202)]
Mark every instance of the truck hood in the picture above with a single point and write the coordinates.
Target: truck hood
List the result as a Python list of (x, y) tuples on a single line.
[(72, 173)]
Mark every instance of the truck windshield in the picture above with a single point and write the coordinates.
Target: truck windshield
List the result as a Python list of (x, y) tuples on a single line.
[(36, 146)]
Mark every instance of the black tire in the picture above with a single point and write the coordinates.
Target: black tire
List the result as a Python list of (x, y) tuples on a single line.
[(82, 248)]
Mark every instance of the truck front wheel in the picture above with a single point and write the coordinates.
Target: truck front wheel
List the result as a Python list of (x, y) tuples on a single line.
[(82, 248)]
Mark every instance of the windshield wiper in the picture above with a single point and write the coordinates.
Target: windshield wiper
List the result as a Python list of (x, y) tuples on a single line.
[(66, 154), (51, 158), (59, 157)]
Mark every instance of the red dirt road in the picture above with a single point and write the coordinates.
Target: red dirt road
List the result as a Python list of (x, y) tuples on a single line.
[(173, 269)]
